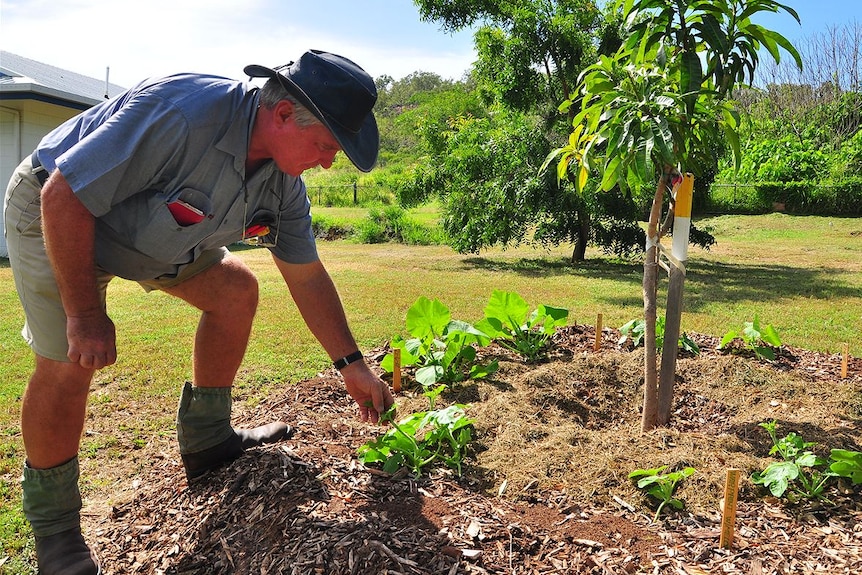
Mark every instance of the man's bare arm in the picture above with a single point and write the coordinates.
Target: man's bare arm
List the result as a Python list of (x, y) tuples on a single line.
[(69, 230)]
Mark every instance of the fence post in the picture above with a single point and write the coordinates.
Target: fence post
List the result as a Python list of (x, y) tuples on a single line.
[(354, 194)]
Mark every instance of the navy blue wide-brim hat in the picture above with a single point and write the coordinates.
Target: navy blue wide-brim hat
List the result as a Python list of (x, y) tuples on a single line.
[(339, 93)]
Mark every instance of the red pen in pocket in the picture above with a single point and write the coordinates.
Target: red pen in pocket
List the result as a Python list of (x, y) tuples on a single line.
[(184, 213)]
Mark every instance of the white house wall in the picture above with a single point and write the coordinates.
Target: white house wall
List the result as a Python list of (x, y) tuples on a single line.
[(23, 123)]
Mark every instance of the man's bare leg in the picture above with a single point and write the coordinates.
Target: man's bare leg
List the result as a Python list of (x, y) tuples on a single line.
[(52, 420), (227, 295)]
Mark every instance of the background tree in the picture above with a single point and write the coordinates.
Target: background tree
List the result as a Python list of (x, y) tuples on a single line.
[(659, 106), (529, 56)]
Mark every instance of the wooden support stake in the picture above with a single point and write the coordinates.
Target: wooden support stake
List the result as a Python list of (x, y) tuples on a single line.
[(845, 357), (598, 345), (396, 370), (728, 512)]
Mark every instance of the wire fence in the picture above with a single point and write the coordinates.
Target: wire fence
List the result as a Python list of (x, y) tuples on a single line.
[(352, 194)]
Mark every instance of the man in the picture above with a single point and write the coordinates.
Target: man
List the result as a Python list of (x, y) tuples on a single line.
[(150, 186)]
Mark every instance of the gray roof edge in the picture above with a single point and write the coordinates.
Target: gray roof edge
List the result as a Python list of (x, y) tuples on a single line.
[(28, 86), (72, 86)]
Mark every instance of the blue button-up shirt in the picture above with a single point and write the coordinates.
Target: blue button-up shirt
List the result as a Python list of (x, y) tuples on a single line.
[(181, 137)]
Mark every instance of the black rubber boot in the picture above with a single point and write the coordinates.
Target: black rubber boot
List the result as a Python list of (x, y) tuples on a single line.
[(66, 554), (205, 435), (199, 463)]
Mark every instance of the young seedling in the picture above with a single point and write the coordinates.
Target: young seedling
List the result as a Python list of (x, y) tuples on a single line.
[(755, 338), (440, 346), (661, 486), (508, 320), (420, 439), (791, 473), (636, 329)]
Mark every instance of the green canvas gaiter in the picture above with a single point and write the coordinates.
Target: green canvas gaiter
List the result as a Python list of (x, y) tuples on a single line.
[(51, 499), (203, 418)]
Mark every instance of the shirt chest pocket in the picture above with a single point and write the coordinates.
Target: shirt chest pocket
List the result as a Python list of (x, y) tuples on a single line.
[(172, 224)]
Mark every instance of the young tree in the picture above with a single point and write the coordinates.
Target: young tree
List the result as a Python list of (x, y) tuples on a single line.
[(658, 107)]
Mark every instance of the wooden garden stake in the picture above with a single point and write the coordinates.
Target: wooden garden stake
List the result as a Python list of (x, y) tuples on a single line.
[(396, 370), (673, 312), (845, 357), (728, 513), (598, 345)]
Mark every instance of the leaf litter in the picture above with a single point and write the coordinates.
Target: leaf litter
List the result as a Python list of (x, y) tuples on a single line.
[(545, 489)]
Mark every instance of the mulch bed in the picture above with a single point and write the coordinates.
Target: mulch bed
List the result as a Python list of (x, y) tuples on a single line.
[(308, 506)]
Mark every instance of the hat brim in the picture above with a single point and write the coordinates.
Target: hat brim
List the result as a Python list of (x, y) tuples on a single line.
[(360, 147)]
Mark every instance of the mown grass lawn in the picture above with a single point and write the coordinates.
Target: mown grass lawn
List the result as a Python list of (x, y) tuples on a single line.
[(803, 275)]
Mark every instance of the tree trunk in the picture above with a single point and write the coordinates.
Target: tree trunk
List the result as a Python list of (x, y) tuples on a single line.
[(579, 253), (649, 415)]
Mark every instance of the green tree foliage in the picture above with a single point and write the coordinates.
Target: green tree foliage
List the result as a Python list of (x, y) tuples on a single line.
[(530, 55)]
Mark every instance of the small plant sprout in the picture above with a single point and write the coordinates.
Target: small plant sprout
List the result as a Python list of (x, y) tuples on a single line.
[(441, 347), (661, 486), (636, 329), (756, 338), (509, 321), (797, 474), (420, 439)]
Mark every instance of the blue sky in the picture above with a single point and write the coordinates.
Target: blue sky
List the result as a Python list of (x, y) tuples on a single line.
[(139, 39)]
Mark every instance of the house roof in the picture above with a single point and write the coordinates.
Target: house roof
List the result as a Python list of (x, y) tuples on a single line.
[(23, 78)]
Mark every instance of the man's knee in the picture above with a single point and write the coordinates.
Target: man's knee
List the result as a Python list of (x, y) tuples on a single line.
[(61, 377), (229, 286)]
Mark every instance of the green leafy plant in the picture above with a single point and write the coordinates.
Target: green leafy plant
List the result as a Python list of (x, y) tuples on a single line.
[(756, 338), (660, 485), (440, 346), (420, 439), (845, 463), (790, 474), (509, 321), (636, 329)]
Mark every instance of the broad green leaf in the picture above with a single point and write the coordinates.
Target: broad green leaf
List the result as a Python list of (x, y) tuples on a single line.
[(467, 330), (427, 317), (728, 337), (429, 375), (777, 476), (847, 464), (507, 307), (483, 371), (769, 335)]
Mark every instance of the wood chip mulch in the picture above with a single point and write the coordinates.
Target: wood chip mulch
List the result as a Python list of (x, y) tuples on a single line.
[(308, 506)]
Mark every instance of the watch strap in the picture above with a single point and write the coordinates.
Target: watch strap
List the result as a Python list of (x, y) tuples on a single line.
[(347, 360)]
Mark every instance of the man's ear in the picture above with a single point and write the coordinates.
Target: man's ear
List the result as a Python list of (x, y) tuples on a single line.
[(284, 110)]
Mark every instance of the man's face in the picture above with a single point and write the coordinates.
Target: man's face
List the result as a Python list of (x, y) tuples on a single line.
[(304, 147)]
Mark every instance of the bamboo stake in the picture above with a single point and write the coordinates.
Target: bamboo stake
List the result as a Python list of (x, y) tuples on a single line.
[(598, 345), (396, 370), (845, 357), (728, 512)]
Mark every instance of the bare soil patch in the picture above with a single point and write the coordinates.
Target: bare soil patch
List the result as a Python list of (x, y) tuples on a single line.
[(545, 490)]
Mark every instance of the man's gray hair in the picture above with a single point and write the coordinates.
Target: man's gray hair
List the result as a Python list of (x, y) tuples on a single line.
[(273, 92)]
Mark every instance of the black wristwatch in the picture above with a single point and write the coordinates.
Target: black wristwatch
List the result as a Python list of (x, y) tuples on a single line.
[(347, 360)]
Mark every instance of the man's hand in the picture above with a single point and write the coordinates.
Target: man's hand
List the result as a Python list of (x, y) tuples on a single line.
[(92, 340), (369, 391)]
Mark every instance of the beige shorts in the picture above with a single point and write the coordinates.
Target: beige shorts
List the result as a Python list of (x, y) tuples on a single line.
[(44, 316)]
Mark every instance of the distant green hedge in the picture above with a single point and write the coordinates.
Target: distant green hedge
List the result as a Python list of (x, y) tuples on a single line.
[(833, 198)]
